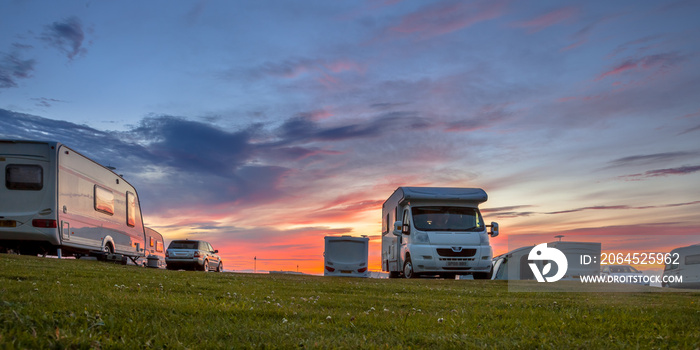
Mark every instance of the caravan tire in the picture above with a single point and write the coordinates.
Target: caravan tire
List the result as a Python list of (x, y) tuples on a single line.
[(408, 268)]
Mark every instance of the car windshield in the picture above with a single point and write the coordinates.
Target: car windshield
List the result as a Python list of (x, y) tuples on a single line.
[(443, 218), (183, 245)]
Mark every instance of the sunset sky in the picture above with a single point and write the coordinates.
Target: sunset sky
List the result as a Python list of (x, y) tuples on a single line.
[(263, 126)]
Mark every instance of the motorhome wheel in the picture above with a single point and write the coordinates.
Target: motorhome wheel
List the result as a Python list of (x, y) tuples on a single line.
[(408, 268)]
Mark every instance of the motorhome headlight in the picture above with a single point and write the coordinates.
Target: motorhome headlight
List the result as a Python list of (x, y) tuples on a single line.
[(484, 238), (421, 237)]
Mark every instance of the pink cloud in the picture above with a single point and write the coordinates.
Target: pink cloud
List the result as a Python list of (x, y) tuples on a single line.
[(659, 63), (345, 65), (439, 18), (691, 115), (547, 20), (684, 170), (567, 99)]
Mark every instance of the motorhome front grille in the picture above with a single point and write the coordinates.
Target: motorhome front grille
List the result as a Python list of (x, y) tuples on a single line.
[(450, 252), (456, 259)]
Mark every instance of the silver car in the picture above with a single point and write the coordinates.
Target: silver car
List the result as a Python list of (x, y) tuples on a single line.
[(198, 255), (624, 273)]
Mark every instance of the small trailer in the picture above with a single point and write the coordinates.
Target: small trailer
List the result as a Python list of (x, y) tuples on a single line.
[(155, 253), (57, 201), (346, 256)]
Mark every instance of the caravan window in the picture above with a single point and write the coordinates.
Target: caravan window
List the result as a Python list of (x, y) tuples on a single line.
[(692, 259), (24, 177), (159, 246), (131, 210), (104, 200)]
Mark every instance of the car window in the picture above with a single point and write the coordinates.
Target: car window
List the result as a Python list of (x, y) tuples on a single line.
[(182, 245)]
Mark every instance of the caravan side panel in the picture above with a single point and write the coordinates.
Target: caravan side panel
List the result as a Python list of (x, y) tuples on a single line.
[(96, 207)]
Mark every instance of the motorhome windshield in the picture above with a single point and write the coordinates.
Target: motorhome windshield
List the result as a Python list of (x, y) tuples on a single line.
[(445, 218)]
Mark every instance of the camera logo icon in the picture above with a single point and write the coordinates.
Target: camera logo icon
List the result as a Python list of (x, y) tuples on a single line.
[(543, 253)]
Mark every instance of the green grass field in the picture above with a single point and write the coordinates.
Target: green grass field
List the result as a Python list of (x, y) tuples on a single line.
[(49, 303)]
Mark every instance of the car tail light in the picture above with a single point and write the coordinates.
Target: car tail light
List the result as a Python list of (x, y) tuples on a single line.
[(330, 269), (196, 254), (44, 223), (167, 253), (362, 270)]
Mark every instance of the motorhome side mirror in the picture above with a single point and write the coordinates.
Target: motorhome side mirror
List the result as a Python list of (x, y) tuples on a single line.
[(397, 228), (494, 229)]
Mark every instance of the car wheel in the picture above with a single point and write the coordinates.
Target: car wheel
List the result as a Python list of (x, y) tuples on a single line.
[(408, 269), (220, 267), (205, 267)]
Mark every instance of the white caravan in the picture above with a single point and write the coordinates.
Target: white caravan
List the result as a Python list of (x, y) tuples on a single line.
[(155, 254), (514, 264), (686, 266), (346, 256), (436, 231), (57, 201)]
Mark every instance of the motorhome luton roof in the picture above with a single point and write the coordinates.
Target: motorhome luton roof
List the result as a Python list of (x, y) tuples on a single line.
[(477, 195)]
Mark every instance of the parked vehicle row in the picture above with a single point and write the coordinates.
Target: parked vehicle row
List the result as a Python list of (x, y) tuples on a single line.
[(56, 201)]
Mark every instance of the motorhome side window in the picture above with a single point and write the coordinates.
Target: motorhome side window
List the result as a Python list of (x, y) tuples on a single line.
[(131, 210), (104, 200), (388, 224), (24, 177)]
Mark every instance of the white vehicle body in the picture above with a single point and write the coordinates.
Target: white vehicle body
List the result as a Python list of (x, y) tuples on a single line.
[(514, 264), (346, 256), (436, 231), (626, 273), (155, 252), (56, 200), (687, 267)]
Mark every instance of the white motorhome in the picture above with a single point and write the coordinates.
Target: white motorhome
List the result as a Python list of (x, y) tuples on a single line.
[(57, 201), (686, 266), (436, 231), (514, 264), (346, 256)]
